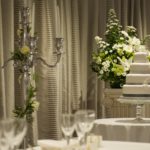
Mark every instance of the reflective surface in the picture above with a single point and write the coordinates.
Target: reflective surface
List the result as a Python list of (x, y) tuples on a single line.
[(67, 125), (12, 132)]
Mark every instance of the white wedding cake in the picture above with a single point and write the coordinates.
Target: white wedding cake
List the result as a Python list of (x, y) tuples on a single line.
[(138, 80)]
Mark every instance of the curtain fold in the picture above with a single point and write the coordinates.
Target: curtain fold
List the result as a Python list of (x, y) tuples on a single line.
[(2, 83), (71, 58), (84, 25), (48, 78), (7, 45)]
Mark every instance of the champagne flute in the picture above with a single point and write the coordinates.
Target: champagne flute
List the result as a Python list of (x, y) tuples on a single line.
[(80, 134), (12, 132), (85, 120), (67, 126)]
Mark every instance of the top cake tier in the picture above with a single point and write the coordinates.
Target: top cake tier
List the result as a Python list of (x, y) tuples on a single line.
[(140, 57), (140, 65)]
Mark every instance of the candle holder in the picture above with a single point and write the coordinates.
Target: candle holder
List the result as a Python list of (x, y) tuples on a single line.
[(58, 52), (25, 56)]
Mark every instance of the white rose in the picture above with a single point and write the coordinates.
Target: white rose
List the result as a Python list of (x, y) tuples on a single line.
[(124, 74), (117, 46), (121, 38), (127, 48), (125, 33), (101, 72), (140, 48), (108, 62), (134, 41), (97, 39), (115, 60), (106, 52), (98, 60)]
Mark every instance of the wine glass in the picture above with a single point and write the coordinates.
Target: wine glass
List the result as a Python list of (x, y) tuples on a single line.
[(84, 121), (67, 126), (80, 133), (12, 132)]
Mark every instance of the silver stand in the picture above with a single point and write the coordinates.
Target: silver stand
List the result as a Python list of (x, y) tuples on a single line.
[(139, 102)]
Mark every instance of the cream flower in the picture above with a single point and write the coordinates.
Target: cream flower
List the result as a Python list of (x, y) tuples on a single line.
[(25, 49), (101, 72), (98, 60), (117, 46), (125, 33), (97, 39), (106, 65), (127, 48), (35, 104), (140, 48), (134, 41)]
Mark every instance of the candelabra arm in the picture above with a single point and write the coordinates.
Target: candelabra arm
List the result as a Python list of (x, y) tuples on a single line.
[(6, 62), (49, 65)]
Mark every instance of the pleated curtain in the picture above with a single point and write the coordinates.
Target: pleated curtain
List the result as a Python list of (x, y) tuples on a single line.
[(60, 85), (6, 46), (47, 83)]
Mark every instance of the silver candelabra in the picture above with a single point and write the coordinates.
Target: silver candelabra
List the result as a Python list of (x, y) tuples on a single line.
[(24, 57), (25, 60)]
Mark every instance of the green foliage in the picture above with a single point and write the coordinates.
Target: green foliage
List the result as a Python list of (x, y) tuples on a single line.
[(30, 106), (111, 60), (18, 56)]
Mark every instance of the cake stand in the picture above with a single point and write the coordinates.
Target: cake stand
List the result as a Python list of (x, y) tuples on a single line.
[(139, 102)]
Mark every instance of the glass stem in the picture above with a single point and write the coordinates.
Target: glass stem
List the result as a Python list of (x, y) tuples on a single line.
[(85, 137), (68, 140)]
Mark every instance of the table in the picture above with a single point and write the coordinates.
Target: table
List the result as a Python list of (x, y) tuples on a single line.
[(123, 129), (105, 145), (117, 145)]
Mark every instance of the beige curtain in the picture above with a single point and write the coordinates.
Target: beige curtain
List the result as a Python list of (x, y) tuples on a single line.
[(6, 46), (48, 84), (71, 58), (71, 84)]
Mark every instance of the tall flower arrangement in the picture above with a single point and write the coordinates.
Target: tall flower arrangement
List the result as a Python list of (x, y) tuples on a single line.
[(112, 58), (24, 56)]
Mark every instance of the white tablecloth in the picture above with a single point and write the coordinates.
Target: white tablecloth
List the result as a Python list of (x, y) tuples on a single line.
[(105, 145), (116, 145), (122, 129), (56, 145)]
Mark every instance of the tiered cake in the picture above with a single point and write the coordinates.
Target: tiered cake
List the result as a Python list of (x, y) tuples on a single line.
[(138, 80)]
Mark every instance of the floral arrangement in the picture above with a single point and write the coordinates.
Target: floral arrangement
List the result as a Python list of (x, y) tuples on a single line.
[(24, 56), (112, 58), (29, 107)]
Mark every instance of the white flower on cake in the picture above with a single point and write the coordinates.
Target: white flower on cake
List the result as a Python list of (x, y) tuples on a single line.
[(141, 48), (134, 41)]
